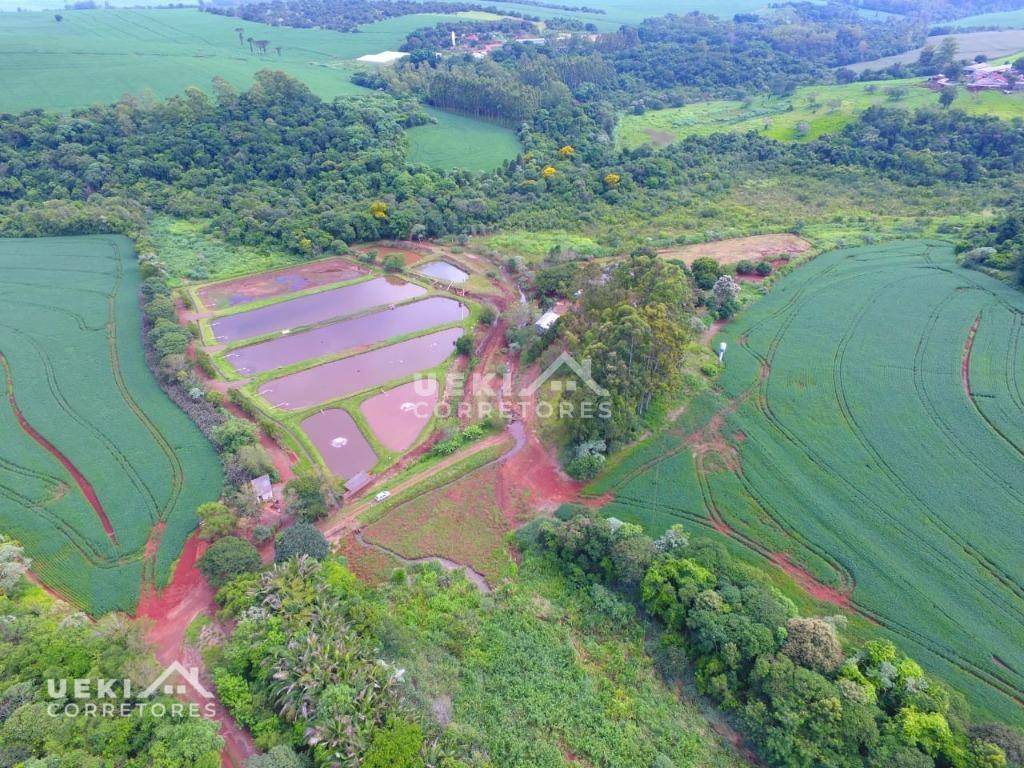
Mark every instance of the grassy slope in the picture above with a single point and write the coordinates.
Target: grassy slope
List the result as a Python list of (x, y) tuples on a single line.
[(1006, 20), (480, 144), (918, 511), (969, 44), (823, 108), (145, 460), (97, 56)]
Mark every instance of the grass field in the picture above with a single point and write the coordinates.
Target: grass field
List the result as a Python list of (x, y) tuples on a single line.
[(1005, 20), (97, 56), (809, 113), (455, 141), (851, 435), (461, 521), (71, 337), (1000, 42), (619, 12)]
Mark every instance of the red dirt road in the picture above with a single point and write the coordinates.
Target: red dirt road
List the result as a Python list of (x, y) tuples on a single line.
[(171, 611)]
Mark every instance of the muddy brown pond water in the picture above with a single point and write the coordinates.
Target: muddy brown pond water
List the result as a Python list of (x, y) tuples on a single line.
[(345, 450), (352, 374), (398, 415), (315, 308), (346, 334)]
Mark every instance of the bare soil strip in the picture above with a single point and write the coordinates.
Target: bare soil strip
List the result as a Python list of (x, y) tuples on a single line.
[(83, 485)]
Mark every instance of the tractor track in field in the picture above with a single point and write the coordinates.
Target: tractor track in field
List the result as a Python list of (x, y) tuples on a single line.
[(857, 431), (83, 485), (965, 665)]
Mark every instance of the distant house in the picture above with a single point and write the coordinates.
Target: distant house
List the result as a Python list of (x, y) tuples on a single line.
[(531, 40), (549, 318), (989, 81), (262, 488)]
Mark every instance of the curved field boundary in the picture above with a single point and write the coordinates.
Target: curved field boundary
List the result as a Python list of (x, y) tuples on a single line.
[(83, 485)]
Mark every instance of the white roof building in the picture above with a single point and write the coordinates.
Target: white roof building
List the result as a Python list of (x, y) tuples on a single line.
[(384, 57), (547, 320)]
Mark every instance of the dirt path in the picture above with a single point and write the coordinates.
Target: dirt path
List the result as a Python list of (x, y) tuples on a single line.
[(171, 611), (449, 565), (346, 519)]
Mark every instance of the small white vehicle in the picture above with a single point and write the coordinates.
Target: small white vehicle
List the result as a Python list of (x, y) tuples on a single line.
[(381, 496)]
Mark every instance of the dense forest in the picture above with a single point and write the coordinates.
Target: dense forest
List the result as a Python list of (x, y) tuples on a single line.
[(42, 639)]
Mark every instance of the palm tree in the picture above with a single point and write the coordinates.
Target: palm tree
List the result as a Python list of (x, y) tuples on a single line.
[(249, 41), (240, 32), (278, 49)]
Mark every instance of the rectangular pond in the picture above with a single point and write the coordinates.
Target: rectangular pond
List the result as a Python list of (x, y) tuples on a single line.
[(315, 308), (352, 374), (346, 334), (278, 282), (443, 271), (398, 415), (344, 449)]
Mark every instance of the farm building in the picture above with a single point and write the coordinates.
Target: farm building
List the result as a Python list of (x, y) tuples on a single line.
[(262, 488), (547, 320), (384, 57)]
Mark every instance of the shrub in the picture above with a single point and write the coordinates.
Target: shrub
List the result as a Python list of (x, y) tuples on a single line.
[(306, 497), (160, 306), (280, 756), (261, 534), (302, 539), (215, 520), (227, 558), (234, 434), (13, 564), (813, 643), (705, 271), (488, 314), (254, 461), (745, 267), (464, 345), (398, 745), (393, 263), (764, 268)]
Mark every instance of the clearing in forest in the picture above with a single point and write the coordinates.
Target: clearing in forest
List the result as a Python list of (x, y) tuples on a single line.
[(736, 249), (94, 458), (870, 429)]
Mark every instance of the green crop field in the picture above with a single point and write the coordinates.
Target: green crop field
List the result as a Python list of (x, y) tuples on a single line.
[(619, 12), (461, 142), (1004, 20), (71, 342), (871, 426), (97, 56), (809, 113)]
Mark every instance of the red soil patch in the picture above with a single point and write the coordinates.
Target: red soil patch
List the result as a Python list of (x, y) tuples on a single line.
[(810, 585), (369, 564), (754, 248), (965, 367), (278, 282), (171, 611), (83, 485), (410, 254)]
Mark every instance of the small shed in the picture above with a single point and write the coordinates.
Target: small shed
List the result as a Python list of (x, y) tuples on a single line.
[(356, 482), (262, 488), (547, 320)]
